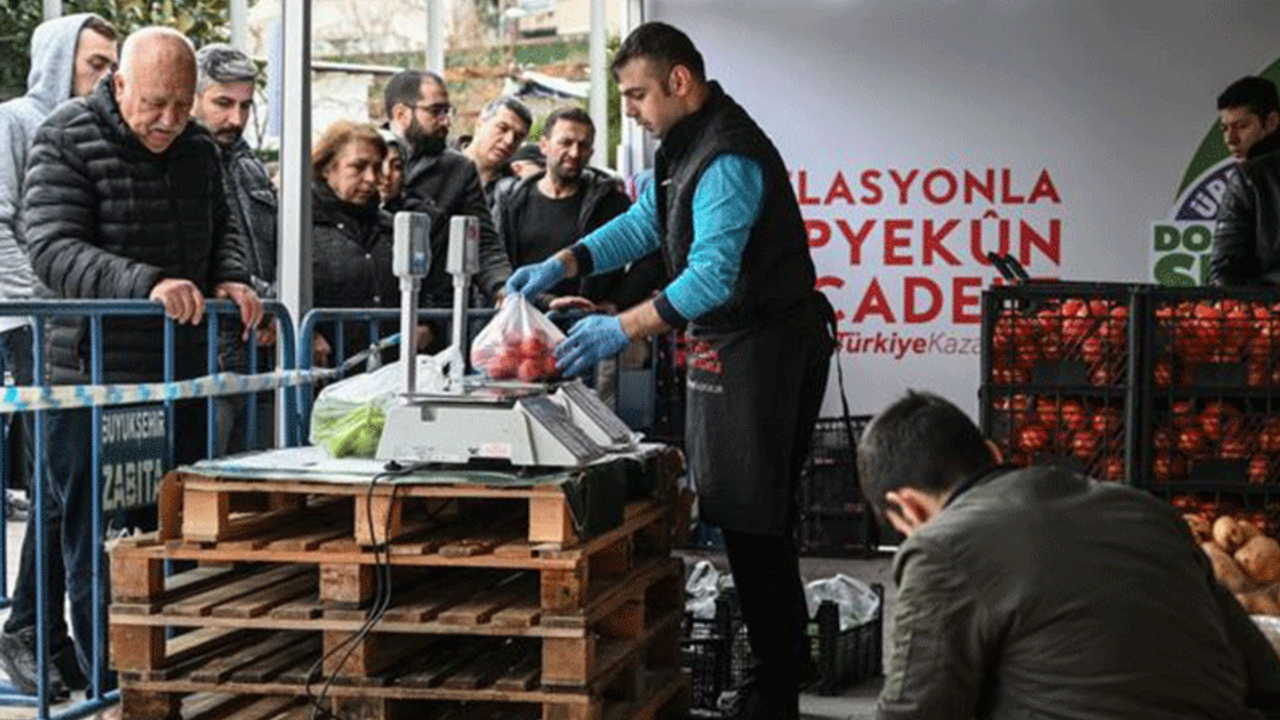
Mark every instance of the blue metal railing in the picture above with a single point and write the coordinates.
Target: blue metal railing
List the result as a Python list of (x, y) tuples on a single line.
[(98, 696)]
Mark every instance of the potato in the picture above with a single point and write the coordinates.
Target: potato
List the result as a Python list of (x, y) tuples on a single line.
[(1226, 569), (1230, 533), (1260, 559), (1200, 528), (1260, 602)]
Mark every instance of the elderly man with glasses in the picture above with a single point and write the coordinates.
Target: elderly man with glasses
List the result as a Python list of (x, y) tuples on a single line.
[(441, 181)]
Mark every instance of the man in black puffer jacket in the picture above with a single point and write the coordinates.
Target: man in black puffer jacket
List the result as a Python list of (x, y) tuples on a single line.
[(1246, 238), (124, 199)]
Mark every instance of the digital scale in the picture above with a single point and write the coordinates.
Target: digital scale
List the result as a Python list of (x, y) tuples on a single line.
[(555, 424)]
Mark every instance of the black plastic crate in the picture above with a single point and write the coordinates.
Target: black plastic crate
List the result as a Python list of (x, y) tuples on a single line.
[(835, 519), (1057, 375), (1210, 388), (717, 653)]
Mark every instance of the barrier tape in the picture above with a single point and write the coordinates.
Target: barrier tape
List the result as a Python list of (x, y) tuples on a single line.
[(65, 397)]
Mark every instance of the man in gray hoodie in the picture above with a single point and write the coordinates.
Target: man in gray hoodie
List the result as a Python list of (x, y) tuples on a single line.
[(69, 55)]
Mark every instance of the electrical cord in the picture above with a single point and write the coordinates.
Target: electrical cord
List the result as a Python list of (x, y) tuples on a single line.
[(382, 594)]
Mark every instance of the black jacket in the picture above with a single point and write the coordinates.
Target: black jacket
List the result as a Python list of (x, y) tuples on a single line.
[(1246, 237), (103, 217), (776, 272), (603, 200), (448, 184), (351, 259), (252, 200)]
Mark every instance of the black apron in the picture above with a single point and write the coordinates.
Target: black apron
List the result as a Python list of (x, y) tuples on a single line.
[(753, 396)]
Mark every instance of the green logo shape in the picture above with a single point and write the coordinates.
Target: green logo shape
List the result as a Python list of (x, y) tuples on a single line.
[(1213, 150)]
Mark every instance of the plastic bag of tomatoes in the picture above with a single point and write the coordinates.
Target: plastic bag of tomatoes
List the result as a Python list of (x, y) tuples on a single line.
[(518, 343)]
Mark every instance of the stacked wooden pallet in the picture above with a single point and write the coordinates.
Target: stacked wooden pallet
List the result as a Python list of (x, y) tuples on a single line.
[(496, 605)]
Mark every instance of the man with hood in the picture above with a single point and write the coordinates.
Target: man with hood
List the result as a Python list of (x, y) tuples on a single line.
[(69, 55)]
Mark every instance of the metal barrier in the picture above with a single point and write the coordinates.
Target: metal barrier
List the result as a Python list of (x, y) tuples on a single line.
[(98, 694)]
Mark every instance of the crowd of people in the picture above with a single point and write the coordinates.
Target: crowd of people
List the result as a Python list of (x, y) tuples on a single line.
[(125, 173), (1023, 593)]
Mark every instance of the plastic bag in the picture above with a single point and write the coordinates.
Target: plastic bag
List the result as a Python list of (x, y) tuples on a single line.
[(701, 590), (347, 417), (518, 343), (858, 603)]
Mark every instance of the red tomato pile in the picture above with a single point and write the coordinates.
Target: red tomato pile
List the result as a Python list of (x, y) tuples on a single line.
[(529, 358), (1094, 332), (1220, 431), (1047, 427), (1226, 331)]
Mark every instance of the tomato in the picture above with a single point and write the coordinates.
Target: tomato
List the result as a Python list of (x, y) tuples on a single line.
[(505, 363), (1190, 441), (481, 357), (1101, 376), (1269, 436), (1162, 438), (533, 347), (1162, 467), (1073, 415), (1093, 349), (1215, 416), (1113, 469), (1106, 421), (1084, 444), (531, 369), (1047, 412), (1162, 373), (1256, 373), (1032, 438), (1233, 447), (1183, 414), (1259, 472)]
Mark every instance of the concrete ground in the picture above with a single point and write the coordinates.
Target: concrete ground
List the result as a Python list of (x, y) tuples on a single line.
[(856, 703)]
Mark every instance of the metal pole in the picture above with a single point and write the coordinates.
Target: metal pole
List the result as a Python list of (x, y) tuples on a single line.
[(239, 11), (435, 36), (294, 261), (599, 81), (52, 9), (633, 137)]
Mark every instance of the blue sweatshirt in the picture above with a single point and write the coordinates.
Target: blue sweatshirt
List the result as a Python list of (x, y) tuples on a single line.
[(726, 204)]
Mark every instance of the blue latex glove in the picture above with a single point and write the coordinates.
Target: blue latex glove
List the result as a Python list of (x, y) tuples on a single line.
[(533, 280), (592, 339)]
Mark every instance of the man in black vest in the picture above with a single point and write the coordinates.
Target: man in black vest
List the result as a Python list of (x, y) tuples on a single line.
[(722, 209)]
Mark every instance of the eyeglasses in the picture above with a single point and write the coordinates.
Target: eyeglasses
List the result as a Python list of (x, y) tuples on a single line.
[(438, 109)]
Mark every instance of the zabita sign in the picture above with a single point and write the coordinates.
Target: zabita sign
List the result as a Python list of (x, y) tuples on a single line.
[(922, 135)]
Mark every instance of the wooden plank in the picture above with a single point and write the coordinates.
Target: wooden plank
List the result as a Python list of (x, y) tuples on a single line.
[(220, 669), (369, 656), (346, 585), (264, 668), (205, 514), (550, 520), (136, 647), (264, 709), (564, 590), (258, 603), (480, 608), (150, 705), (309, 541), (200, 642), (387, 515), (203, 603), (169, 506), (136, 578), (522, 676), (520, 548), (307, 607), (432, 670), (523, 614), (426, 603), (487, 667), (568, 662)]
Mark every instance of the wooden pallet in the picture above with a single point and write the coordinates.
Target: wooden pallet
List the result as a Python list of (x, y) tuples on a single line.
[(250, 606), (241, 513), (648, 695)]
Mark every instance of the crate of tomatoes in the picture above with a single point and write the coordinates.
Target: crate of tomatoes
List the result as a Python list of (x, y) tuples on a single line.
[(1210, 388), (1056, 375)]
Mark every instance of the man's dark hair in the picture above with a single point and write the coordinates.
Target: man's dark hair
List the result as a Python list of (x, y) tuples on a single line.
[(570, 113), (1256, 93), (101, 26), (405, 88), (511, 103), (921, 441), (663, 45)]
